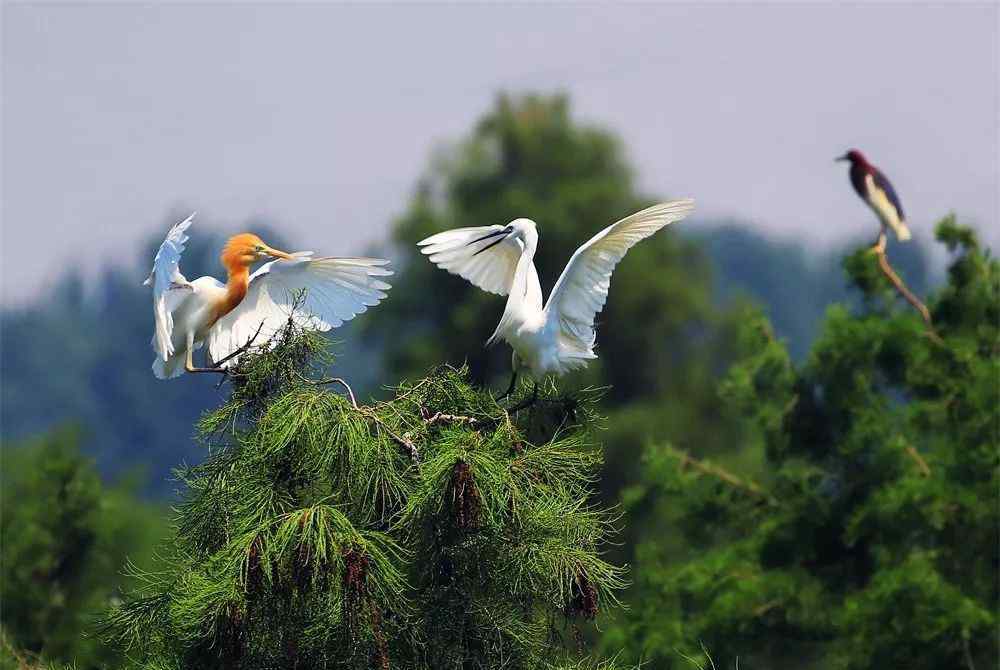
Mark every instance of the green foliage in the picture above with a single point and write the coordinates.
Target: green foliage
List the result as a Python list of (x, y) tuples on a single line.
[(431, 530), (748, 263), (65, 539), (873, 540)]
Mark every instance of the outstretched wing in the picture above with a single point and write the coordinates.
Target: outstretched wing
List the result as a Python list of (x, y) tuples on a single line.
[(582, 288), (466, 252), (333, 290), (169, 286)]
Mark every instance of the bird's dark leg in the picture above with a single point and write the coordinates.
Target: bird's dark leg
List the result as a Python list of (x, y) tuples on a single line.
[(510, 389), (513, 377), (527, 402)]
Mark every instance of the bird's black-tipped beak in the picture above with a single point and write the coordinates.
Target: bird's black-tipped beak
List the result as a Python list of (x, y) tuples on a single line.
[(845, 157), (502, 234)]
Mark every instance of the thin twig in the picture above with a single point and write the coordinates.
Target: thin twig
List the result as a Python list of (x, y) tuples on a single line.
[(217, 367), (403, 441), (925, 469), (766, 607), (243, 348), (411, 390), (968, 653), (440, 417), (883, 262), (333, 380), (725, 476)]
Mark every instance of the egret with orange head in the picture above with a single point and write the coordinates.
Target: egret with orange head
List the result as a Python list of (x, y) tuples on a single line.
[(251, 308)]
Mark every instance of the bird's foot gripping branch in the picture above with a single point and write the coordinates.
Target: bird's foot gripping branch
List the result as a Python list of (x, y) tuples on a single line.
[(311, 536)]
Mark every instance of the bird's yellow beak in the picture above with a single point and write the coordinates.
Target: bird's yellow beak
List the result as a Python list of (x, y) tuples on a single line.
[(277, 254)]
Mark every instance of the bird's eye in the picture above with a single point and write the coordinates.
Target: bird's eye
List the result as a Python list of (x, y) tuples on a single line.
[(258, 248)]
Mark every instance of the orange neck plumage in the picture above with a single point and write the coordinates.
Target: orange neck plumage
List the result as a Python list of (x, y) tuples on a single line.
[(236, 257), (236, 290), (241, 251)]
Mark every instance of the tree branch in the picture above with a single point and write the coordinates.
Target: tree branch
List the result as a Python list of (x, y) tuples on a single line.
[(403, 441), (440, 417), (883, 263), (217, 367), (727, 477), (333, 380), (925, 469)]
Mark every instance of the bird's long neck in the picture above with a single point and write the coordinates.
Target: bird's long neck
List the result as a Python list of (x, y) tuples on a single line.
[(523, 289), (525, 296), (236, 289)]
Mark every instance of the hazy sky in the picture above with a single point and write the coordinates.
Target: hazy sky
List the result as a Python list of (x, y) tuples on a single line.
[(322, 116)]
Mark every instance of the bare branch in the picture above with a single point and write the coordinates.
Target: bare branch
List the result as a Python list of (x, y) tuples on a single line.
[(925, 469), (883, 262), (439, 417), (217, 368), (333, 380), (727, 477)]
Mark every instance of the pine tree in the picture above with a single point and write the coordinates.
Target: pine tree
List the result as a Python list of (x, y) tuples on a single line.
[(872, 542), (432, 530)]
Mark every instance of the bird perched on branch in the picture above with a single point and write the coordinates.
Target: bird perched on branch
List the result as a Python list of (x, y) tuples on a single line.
[(316, 293), (878, 193), (558, 336)]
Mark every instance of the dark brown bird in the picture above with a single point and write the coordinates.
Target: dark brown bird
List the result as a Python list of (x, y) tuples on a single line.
[(877, 191)]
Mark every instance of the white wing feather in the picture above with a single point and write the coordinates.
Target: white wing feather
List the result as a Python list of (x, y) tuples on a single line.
[(582, 289), (491, 270), (336, 290), (169, 286)]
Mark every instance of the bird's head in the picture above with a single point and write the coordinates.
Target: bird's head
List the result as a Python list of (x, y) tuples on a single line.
[(518, 229), (854, 157), (246, 249), (524, 230)]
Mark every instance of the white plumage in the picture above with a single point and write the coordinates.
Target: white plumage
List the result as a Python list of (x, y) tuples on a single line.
[(228, 316), (880, 202), (169, 285), (559, 336), (335, 290)]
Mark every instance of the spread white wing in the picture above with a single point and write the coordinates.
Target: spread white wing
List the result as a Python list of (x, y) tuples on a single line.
[(169, 286), (466, 252), (582, 289), (334, 290)]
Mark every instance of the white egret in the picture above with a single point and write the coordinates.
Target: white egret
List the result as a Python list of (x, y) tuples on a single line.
[(559, 336), (249, 309)]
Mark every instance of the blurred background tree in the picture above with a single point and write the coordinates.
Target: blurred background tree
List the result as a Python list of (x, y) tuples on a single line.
[(669, 332), (81, 353), (872, 538), (66, 538)]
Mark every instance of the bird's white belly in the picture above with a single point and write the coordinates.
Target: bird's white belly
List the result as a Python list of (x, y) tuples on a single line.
[(195, 316), (535, 346)]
